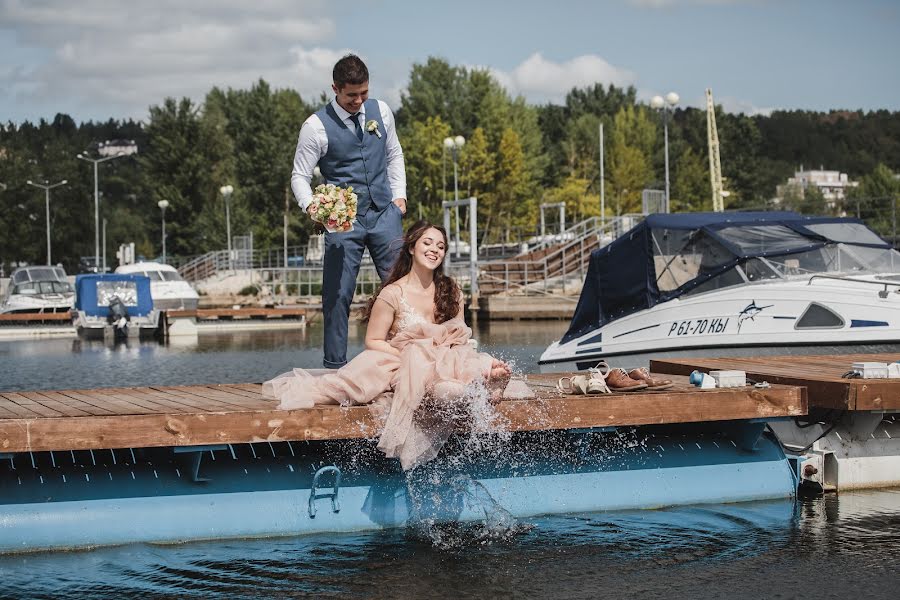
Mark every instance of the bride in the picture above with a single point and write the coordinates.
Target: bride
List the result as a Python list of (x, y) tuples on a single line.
[(418, 368)]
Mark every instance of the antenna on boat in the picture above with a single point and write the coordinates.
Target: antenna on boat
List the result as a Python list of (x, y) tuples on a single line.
[(715, 165)]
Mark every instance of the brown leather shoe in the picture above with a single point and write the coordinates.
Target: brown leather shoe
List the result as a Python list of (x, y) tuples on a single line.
[(619, 381), (653, 383)]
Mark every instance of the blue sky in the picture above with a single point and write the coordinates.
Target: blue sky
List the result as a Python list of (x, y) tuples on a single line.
[(96, 59)]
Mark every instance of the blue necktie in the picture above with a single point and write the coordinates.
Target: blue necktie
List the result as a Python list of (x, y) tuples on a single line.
[(355, 118)]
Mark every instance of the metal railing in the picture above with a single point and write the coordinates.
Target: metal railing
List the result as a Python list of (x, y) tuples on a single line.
[(535, 271)]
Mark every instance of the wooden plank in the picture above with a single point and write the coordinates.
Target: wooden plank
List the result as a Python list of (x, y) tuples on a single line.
[(550, 411), (189, 403), (821, 375), (22, 401), (89, 409), (52, 403), (236, 401), (244, 312), (117, 405), (36, 316)]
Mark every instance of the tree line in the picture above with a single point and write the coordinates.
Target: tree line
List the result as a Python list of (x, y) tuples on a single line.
[(516, 156)]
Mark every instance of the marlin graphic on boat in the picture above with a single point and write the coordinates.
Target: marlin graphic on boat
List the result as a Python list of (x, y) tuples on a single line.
[(750, 312)]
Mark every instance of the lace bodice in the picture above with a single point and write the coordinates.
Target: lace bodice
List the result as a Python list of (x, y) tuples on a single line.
[(408, 316)]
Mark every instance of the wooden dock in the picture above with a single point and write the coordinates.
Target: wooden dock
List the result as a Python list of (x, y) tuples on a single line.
[(820, 375), (244, 312), (237, 413)]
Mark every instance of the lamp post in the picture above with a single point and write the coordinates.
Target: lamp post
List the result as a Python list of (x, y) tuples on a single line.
[(454, 145), (104, 246), (163, 205), (108, 151), (666, 105), (46, 187), (226, 191)]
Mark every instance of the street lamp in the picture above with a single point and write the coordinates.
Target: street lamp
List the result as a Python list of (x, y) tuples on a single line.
[(108, 150), (666, 105), (163, 205), (454, 145), (226, 191), (47, 189)]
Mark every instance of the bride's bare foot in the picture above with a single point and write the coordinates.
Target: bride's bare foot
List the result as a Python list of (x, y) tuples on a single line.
[(500, 370)]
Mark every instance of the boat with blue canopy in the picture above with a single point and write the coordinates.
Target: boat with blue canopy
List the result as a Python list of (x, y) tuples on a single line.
[(728, 282), (114, 305)]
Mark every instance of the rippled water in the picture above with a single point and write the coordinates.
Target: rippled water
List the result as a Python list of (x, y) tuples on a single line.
[(834, 547), (238, 357)]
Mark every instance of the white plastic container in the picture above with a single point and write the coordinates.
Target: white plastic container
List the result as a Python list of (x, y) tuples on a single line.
[(871, 370), (727, 379), (894, 370)]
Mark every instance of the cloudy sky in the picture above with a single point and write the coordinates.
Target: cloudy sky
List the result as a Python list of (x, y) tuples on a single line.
[(96, 59)]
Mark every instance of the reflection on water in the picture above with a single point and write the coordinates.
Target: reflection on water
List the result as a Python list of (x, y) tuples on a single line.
[(833, 547), (239, 357)]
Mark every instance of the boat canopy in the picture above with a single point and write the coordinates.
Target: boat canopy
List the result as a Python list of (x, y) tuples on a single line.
[(670, 255), (93, 293)]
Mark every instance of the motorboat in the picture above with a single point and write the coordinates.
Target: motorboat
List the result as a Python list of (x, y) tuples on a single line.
[(43, 289), (733, 283), (113, 306), (168, 289)]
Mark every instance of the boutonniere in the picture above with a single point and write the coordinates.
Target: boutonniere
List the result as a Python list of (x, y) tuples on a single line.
[(372, 127)]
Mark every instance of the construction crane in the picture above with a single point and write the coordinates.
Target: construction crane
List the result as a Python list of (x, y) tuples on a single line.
[(715, 165)]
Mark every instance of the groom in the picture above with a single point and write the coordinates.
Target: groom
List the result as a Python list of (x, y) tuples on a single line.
[(354, 141)]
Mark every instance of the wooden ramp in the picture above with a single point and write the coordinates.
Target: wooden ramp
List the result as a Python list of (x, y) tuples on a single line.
[(821, 375), (238, 413)]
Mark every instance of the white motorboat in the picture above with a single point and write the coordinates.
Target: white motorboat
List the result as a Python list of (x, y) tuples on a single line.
[(733, 283), (38, 289), (168, 289)]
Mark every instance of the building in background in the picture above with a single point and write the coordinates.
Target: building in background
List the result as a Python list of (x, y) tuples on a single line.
[(833, 185)]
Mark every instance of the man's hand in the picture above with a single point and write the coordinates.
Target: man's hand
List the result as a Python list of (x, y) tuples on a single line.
[(309, 209), (401, 204)]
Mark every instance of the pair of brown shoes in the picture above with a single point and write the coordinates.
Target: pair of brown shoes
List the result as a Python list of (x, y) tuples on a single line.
[(643, 375)]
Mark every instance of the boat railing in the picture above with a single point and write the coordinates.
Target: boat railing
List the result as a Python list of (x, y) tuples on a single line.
[(883, 293)]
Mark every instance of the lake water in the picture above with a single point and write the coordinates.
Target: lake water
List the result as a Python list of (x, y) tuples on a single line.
[(833, 547)]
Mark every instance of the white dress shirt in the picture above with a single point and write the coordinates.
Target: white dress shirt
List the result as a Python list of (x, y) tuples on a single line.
[(313, 144)]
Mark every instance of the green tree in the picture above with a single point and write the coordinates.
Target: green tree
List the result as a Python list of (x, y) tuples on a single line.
[(690, 188), (423, 153)]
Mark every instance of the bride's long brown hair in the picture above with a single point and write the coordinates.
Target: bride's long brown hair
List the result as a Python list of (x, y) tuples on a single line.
[(446, 293)]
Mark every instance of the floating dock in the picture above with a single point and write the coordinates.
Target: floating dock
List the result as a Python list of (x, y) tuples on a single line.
[(174, 322), (852, 436), (81, 468)]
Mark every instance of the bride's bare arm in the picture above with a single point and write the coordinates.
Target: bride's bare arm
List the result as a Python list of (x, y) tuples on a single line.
[(380, 322)]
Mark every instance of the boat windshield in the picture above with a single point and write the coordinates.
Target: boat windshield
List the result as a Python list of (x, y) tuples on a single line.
[(38, 274), (170, 276), (832, 259), (43, 287)]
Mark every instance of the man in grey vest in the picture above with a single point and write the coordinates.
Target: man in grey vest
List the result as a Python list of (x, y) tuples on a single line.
[(354, 141)]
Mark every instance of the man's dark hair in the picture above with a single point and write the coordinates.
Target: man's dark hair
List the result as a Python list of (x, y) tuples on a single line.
[(350, 70)]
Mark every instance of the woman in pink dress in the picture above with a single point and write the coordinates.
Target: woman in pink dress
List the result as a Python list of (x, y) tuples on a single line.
[(418, 368)]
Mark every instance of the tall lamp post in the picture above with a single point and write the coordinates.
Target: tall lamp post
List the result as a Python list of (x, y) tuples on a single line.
[(108, 151), (46, 187), (665, 105), (226, 191), (163, 205), (454, 145)]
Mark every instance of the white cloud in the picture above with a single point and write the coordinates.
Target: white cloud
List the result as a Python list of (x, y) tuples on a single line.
[(122, 58), (540, 80)]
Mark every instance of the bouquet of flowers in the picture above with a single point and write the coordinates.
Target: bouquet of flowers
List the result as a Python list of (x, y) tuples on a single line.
[(333, 207)]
